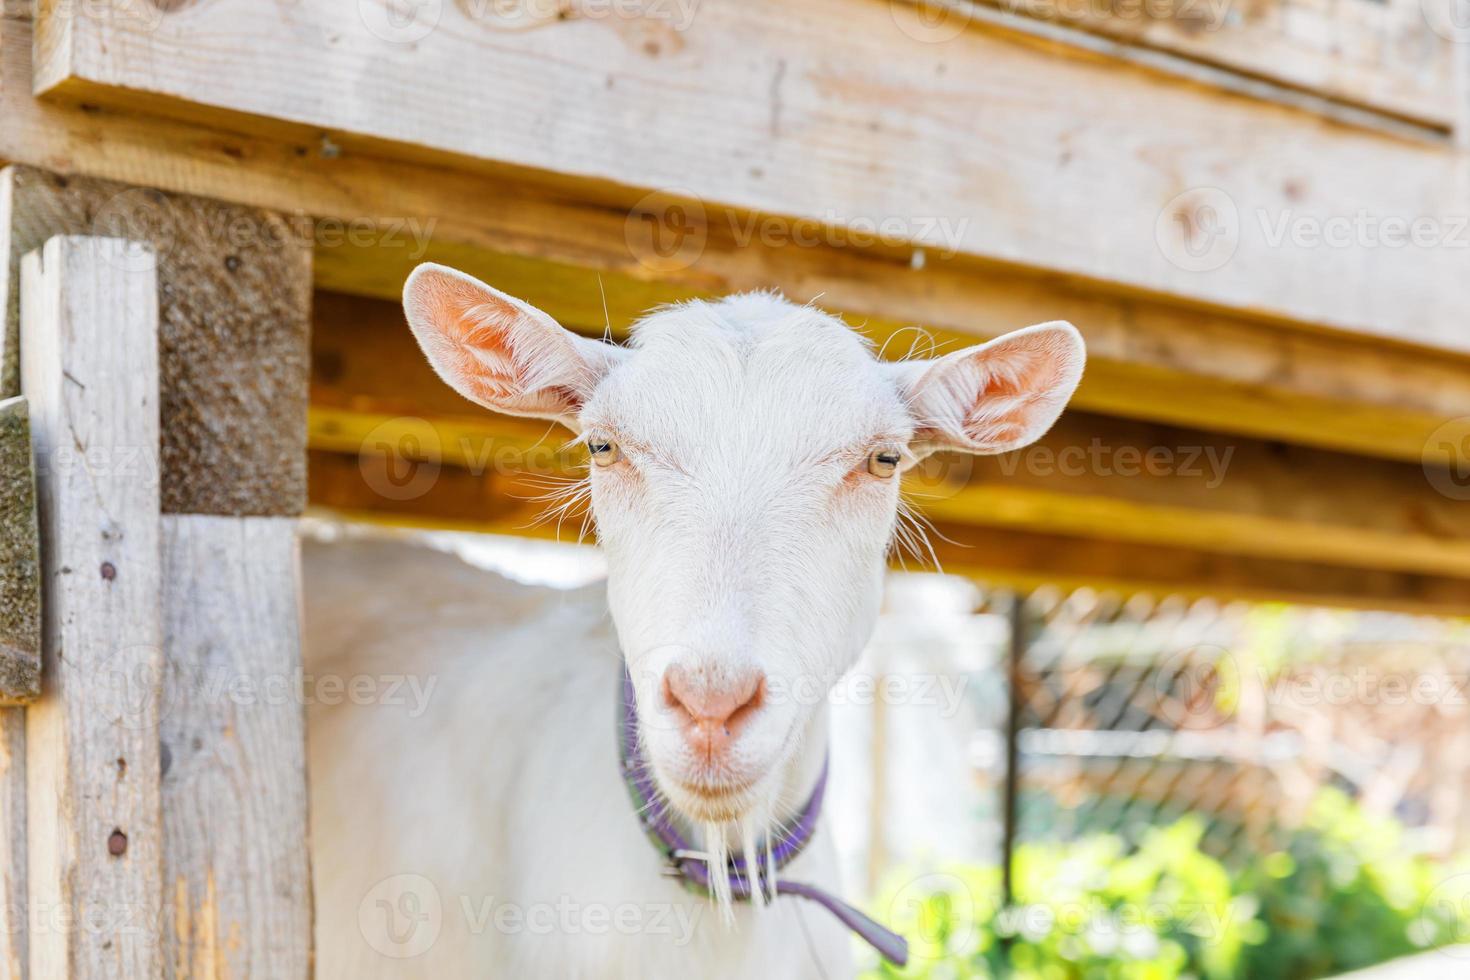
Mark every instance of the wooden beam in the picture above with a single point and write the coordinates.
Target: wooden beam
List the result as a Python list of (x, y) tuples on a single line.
[(89, 367), (1144, 361), (1093, 475), (836, 121), (455, 499), (1030, 560), (1189, 365), (1387, 57), (1116, 480)]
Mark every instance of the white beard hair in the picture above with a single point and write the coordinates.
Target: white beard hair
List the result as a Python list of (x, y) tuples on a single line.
[(753, 860), (717, 853)]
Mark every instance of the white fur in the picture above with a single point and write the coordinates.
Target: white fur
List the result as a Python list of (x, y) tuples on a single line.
[(743, 531)]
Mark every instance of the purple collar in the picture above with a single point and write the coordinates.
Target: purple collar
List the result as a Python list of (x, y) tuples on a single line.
[(687, 864)]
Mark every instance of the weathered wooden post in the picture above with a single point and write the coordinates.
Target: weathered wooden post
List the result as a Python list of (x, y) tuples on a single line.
[(20, 658), (233, 287), (89, 334)]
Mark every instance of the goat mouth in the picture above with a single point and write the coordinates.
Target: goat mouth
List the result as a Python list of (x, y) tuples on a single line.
[(723, 789), (723, 801)]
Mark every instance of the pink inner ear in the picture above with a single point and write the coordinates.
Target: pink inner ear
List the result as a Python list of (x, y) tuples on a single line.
[(1010, 391), (492, 350), (483, 353)]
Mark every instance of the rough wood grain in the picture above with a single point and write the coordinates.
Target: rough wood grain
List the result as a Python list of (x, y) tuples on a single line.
[(1092, 475), (841, 115), (9, 322), (459, 500), (1385, 56), (235, 286), (234, 782), (1188, 364), (1459, 87), (14, 927), (20, 559), (90, 369)]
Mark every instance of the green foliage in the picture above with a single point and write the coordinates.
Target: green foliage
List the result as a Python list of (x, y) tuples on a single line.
[(1341, 895)]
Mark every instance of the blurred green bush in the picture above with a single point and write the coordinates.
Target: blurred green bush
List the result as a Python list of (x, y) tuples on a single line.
[(1343, 893)]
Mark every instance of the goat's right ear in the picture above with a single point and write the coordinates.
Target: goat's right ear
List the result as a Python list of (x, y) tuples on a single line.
[(995, 397), (500, 352)]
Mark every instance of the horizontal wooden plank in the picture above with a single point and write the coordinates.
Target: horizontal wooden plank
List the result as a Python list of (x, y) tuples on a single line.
[(1386, 56), (1092, 475), (452, 498), (841, 115), (378, 217)]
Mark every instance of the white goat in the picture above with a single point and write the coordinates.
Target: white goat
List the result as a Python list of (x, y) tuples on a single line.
[(744, 485)]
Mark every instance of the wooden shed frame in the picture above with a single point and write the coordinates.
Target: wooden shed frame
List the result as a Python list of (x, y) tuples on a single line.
[(208, 210)]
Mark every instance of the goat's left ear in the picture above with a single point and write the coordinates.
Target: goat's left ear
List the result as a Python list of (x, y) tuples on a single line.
[(995, 397), (500, 352)]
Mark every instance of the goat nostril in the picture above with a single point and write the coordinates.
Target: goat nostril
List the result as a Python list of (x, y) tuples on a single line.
[(749, 704), (712, 717), (679, 696), (671, 700)]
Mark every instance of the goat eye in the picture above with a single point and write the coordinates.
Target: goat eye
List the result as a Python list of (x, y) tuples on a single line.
[(883, 463), (604, 451)]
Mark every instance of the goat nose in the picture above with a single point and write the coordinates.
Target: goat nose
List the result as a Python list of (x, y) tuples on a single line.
[(711, 715)]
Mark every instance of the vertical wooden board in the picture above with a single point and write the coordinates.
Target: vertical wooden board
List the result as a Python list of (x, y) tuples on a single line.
[(1459, 95), (89, 367), (9, 298), (233, 737), (20, 560), (13, 925), (235, 301), (12, 720)]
